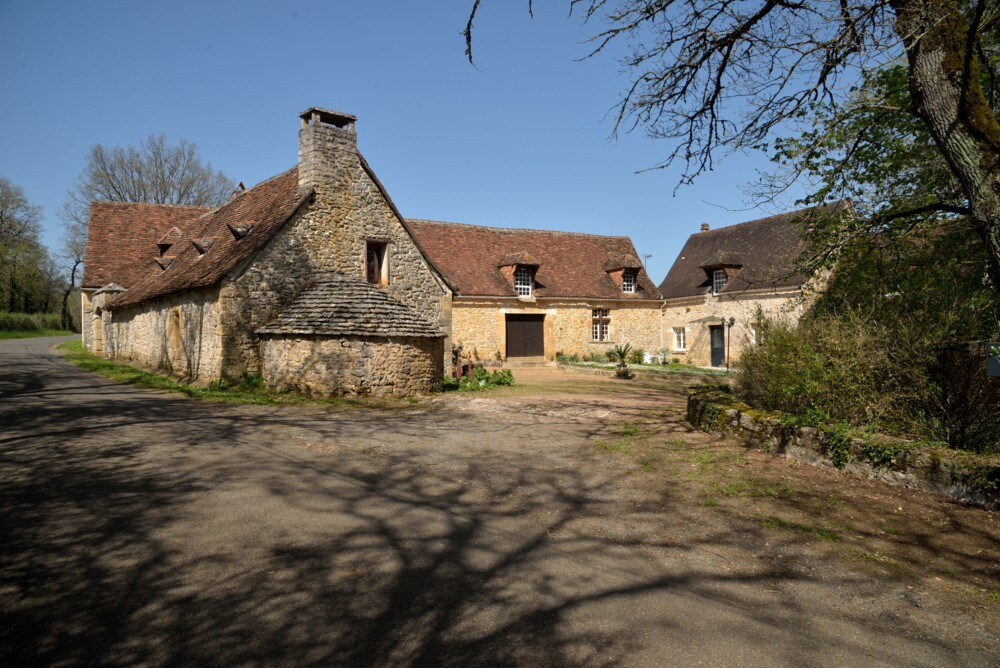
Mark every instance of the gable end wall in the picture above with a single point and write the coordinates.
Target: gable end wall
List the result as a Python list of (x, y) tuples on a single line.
[(327, 234)]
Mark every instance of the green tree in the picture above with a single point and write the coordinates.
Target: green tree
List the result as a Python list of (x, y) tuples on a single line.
[(27, 276)]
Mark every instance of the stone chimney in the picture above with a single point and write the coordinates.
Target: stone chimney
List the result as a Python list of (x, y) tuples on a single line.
[(328, 148), (704, 226)]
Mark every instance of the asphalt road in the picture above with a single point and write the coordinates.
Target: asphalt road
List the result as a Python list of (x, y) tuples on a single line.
[(143, 529)]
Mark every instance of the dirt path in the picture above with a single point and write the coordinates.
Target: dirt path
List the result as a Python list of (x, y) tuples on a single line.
[(562, 522)]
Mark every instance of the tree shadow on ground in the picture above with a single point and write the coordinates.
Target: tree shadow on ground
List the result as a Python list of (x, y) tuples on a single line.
[(143, 530)]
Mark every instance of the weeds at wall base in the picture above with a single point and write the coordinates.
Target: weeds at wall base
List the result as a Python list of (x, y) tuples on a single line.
[(249, 390), (963, 476)]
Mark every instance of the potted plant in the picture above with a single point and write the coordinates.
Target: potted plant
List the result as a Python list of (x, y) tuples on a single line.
[(619, 355)]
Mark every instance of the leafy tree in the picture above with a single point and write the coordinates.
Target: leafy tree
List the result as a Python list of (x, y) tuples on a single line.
[(723, 75), (27, 277), (155, 172)]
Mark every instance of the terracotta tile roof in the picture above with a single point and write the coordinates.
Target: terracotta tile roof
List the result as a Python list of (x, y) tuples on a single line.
[(569, 264), (123, 239), (757, 254), (216, 242), (333, 304)]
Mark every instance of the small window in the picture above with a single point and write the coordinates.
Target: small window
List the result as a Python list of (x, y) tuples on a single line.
[(628, 280), (757, 335), (680, 339), (601, 321), (376, 262), (523, 282), (719, 279)]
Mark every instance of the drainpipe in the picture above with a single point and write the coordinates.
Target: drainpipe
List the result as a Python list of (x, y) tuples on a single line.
[(729, 335)]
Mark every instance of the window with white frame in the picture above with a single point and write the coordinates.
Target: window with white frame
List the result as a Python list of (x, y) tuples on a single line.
[(523, 282), (719, 279), (628, 280), (601, 324), (680, 339)]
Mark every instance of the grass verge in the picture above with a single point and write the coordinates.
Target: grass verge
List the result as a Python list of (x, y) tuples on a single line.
[(34, 333), (249, 391)]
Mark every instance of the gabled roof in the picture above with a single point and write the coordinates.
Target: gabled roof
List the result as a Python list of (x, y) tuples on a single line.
[(333, 304), (123, 238), (759, 254), (237, 230), (569, 264)]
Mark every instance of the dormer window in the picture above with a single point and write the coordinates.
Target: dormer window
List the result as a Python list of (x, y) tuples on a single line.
[(719, 279), (524, 281), (628, 280)]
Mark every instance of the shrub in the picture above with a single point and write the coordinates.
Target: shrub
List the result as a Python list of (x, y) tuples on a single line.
[(637, 356), (481, 379), (854, 370), (502, 377), (28, 322)]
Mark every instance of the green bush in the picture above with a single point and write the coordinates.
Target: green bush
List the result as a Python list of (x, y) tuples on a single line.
[(28, 322), (502, 377), (481, 379), (862, 372), (637, 356)]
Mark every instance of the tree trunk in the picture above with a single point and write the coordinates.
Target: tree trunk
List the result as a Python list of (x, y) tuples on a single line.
[(948, 97), (65, 319)]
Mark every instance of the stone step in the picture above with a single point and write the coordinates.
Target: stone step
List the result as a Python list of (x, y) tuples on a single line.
[(527, 362)]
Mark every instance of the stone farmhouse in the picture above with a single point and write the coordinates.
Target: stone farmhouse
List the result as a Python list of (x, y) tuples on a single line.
[(725, 280), (313, 280), (531, 294)]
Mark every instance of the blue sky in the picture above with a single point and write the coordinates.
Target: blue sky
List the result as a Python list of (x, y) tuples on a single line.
[(522, 140)]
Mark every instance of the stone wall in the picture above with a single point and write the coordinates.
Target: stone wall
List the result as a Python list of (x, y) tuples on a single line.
[(327, 366), (479, 325), (960, 476), (87, 320), (178, 333), (350, 208), (328, 233), (697, 314)]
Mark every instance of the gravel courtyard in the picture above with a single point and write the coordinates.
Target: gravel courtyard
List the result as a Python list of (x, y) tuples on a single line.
[(567, 521)]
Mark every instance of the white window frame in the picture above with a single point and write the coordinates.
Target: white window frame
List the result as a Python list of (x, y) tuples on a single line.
[(600, 328), (680, 339), (719, 280), (524, 282), (629, 281)]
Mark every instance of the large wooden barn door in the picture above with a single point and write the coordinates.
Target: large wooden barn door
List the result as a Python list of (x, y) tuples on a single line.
[(525, 336)]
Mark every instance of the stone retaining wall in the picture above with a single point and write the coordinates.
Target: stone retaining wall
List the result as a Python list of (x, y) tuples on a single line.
[(960, 476)]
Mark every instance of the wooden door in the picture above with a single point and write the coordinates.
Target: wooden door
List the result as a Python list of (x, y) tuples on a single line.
[(717, 335), (525, 336)]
